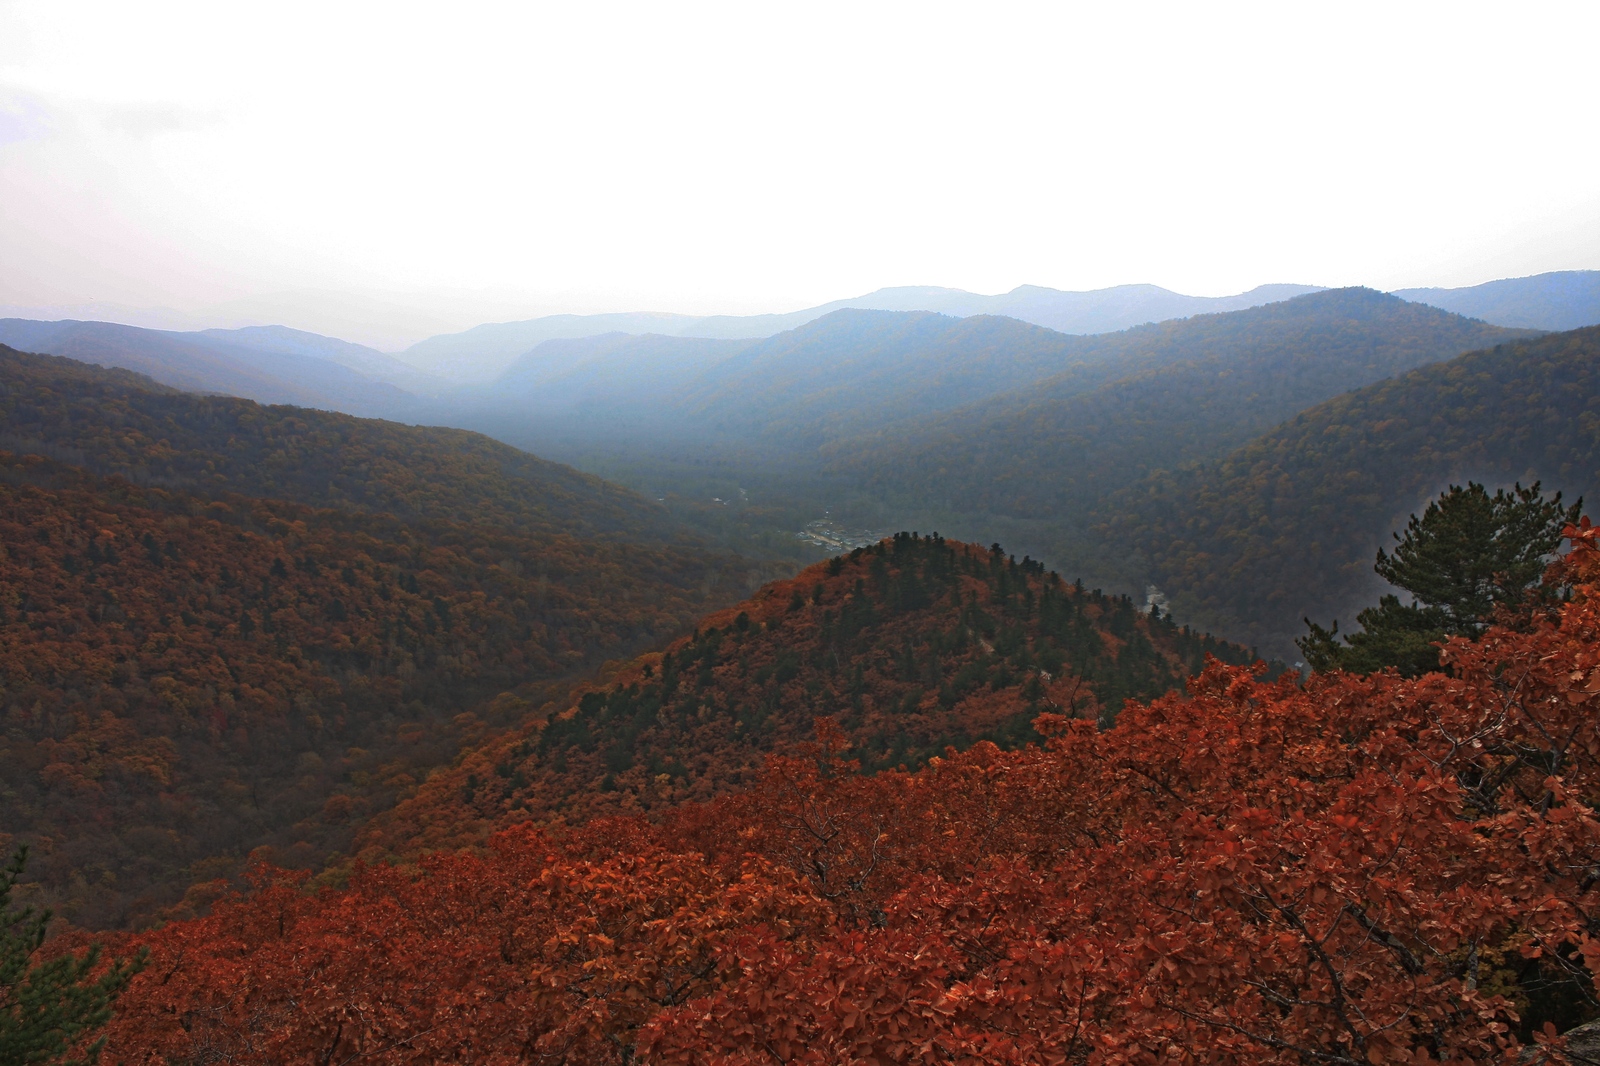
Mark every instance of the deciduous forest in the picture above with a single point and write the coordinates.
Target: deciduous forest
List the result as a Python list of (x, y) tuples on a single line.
[(190, 673), (1358, 869), (333, 739), (911, 647)]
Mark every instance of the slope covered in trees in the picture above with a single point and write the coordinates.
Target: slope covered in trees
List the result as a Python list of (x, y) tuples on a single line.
[(1286, 526), (1254, 872), (911, 646), (189, 673), (1171, 393), (186, 678), (117, 423)]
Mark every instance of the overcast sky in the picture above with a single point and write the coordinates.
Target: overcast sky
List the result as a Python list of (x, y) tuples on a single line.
[(385, 171)]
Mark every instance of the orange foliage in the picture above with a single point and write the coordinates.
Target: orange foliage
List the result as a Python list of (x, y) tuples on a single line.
[(912, 646), (1359, 870)]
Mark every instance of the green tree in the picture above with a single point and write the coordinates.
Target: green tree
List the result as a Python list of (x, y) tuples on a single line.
[(47, 1007), (1468, 556)]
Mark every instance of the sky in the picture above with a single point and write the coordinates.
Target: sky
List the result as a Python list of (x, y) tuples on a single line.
[(387, 171)]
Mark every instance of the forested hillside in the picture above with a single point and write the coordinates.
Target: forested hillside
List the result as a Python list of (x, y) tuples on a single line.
[(1287, 526), (121, 424), (1252, 872), (912, 646), (192, 666), (1154, 398)]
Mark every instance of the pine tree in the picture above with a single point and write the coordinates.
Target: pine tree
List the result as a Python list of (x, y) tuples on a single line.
[(1468, 556), (47, 1007)]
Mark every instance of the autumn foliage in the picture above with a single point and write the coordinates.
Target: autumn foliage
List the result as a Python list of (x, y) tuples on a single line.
[(1354, 870), (225, 626), (912, 646)]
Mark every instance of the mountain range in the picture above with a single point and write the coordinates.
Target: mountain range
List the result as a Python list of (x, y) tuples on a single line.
[(276, 364), (980, 425), (483, 351), (1553, 301)]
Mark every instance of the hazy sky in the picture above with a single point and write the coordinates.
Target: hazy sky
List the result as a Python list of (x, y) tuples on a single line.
[(389, 170)]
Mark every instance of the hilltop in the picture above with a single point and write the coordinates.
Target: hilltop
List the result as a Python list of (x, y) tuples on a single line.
[(913, 646)]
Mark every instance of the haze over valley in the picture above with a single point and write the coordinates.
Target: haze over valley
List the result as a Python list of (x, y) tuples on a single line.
[(912, 408)]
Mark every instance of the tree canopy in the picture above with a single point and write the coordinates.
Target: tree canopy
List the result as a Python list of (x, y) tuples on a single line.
[(1359, 869), (1468, 555)]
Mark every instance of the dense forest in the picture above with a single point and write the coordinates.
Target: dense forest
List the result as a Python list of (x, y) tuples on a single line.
[(1354, 870), (190, 673), (1287, 526), (391, 743), (910, 647)]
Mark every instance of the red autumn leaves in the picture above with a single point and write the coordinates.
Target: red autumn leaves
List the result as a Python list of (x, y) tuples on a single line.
[(1359, 870)]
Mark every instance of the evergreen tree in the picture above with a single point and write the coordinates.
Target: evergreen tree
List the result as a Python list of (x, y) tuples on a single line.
[(1468, 556), (47, 1007)]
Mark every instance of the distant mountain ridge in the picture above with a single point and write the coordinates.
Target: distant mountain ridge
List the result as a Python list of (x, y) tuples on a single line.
[(268, 364), (1560, 300), (358, 357), (1554, 301), (278, 364), (483, 352), (868, 384)]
